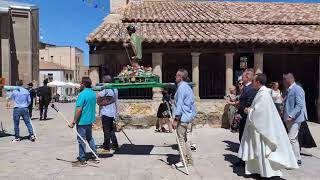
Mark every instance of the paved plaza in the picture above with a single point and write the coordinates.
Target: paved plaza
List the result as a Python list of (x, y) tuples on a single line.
[(149, 157)]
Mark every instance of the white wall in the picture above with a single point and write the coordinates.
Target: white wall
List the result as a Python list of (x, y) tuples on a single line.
[(67, 57), (57, 76)]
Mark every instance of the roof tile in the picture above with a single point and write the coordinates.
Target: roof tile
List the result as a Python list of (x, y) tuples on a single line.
[(214, 22)]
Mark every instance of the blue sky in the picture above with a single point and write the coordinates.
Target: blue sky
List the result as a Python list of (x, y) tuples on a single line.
[(69, 22)]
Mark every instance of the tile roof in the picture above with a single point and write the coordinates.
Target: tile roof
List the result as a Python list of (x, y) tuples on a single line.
[(231, 12), (214, 22), (211, 32), (51, 66)]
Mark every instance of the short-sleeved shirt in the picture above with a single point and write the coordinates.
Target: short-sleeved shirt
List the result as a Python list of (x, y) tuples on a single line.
[(21, 97), (111, 109), (87, 101)]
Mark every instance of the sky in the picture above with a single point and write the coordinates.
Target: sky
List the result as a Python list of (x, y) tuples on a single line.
[(69, 22)]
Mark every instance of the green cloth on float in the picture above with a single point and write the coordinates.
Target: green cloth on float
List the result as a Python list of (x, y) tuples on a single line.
[(136, 45)]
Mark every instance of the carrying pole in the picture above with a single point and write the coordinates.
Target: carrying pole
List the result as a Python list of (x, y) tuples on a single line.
[(128, 55), (179, 145), (85, 142)]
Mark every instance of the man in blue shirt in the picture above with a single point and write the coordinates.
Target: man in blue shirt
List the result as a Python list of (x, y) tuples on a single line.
[(85, 115), (22, 100), (184, 112)]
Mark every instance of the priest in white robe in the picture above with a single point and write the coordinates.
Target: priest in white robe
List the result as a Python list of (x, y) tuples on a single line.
[(265, 146)]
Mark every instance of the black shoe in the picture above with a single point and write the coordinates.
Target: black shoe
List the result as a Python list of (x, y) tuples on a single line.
[(299, 163), (115, 147), (40, 119), (239, 163)]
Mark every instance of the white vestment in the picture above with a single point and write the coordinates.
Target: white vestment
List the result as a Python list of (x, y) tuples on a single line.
[(265, 145)]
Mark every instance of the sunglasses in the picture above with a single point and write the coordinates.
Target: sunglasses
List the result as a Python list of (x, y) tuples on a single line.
[(240, 84)]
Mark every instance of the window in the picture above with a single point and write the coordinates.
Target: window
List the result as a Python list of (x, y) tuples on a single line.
[(67, 77)]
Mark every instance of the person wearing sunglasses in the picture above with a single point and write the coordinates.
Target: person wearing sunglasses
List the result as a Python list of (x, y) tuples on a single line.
[(240, 87)]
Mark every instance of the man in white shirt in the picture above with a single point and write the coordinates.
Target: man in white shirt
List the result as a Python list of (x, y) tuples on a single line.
[(108, 113)]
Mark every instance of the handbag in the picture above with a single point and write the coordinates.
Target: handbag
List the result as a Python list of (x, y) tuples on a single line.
[(235, 123), (103, 101)]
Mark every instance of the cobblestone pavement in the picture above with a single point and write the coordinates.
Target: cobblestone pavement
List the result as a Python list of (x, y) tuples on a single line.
[(149, 157)]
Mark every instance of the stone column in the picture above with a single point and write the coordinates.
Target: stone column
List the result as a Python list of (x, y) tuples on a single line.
[(157, 70), (5, 49), (229, 71), (258, 62), (195, 73), (94, 75)]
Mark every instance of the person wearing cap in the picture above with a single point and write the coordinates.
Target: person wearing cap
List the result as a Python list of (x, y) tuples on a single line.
[(32, 96)]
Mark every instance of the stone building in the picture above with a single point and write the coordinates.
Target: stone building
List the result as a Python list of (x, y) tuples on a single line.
[(211, 40), (19, 38), (56, 72), (84, 71), (65, 56)]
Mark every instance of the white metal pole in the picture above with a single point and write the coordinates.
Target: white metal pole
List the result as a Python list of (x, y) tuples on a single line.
[(179, 145), (85, 142)]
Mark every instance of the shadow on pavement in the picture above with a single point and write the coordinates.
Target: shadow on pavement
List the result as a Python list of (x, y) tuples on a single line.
[(173, 158), (232, 146), (5, 134), (132, 149), (48, 119), (173, 146), (240, 171)]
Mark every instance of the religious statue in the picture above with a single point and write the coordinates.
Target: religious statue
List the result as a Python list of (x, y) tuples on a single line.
[(135, 43)]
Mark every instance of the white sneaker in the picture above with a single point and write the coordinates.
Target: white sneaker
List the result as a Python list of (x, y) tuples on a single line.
[(16, 140), (179, 165)]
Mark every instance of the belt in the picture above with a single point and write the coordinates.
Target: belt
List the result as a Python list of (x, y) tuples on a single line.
[(19, 107)]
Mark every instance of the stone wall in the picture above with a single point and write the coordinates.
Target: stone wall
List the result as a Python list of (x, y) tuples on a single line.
[(142, 114)]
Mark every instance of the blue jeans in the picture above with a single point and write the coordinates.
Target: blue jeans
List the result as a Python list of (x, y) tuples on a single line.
[(24, 113), (85, 132)]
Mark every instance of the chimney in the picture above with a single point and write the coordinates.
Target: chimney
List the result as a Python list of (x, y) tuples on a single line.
[(115, 5)]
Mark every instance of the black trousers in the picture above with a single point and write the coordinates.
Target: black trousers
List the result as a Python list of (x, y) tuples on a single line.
[(242, 124), (30, 107), (109, 132), (43, 110)]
